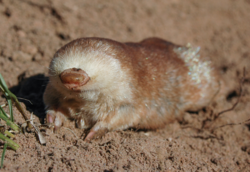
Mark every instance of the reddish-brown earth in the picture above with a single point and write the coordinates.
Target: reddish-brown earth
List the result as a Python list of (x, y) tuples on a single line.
[(32, 30)]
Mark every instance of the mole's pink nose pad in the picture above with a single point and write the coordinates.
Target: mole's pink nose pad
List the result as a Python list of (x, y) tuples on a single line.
[(74, 78)]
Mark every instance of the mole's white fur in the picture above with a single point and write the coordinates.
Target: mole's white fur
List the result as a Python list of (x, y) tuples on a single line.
[(97, 65)]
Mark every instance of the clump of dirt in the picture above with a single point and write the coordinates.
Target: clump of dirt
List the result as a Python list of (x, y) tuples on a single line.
[(32, 31)]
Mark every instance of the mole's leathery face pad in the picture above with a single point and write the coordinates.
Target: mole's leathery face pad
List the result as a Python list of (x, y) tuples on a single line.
[(74, 78)]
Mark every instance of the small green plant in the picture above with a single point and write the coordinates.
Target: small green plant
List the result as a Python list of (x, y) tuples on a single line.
[(5, 135)]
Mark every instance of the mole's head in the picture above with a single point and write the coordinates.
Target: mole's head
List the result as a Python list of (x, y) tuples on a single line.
[(88, 64)]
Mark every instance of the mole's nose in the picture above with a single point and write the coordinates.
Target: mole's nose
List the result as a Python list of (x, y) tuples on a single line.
[(74, 78)]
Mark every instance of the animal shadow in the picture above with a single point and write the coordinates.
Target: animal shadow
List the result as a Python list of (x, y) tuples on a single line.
[(30, 91)]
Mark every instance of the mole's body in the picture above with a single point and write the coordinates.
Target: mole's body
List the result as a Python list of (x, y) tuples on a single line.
[(107, 85)]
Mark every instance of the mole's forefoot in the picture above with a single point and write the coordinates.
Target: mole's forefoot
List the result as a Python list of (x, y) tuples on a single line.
[(55, 118)]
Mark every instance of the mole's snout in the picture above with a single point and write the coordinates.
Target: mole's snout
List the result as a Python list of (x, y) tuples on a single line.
[(74, 78)]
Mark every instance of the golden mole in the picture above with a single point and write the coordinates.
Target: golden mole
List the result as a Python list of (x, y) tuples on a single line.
[(107, 85)]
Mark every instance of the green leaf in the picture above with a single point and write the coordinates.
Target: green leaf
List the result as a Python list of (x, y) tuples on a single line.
[(13, 145), (3, 154)]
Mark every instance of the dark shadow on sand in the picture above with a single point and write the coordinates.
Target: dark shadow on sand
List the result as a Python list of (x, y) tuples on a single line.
[(30, 92)]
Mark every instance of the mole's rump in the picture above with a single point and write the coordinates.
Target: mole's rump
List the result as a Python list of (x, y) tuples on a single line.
[(108, 85)]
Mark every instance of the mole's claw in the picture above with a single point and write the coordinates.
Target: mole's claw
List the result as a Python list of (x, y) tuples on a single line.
[(55, 117)]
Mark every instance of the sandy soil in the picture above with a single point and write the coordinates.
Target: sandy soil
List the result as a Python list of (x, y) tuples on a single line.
[(32, 30)]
